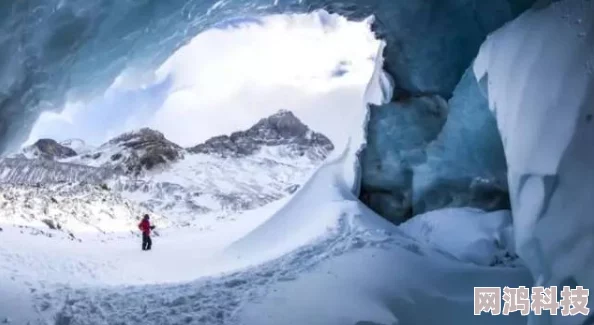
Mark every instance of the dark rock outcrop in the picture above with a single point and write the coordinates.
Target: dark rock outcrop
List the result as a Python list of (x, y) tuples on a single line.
[(50, 149), (282, 128), (145, 149)]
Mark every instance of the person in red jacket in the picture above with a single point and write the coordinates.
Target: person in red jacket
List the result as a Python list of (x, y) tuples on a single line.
[(146, 227)]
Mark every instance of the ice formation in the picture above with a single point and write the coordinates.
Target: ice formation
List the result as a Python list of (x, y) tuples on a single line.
[(539, 76), (398, 134), (465, 165)]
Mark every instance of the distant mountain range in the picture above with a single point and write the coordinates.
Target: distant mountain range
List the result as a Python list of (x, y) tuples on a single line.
[(220, 177)]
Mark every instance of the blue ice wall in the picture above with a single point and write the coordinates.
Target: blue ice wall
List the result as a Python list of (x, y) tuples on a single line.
[(423, 154), (398, 134), (430, 45), (466, 163)]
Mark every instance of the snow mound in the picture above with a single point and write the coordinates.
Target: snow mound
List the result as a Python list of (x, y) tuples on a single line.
[(467, 234)]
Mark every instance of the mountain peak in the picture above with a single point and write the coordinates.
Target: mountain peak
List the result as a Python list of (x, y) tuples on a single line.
[(49, 149), (131, 153), (143, 149), (144, 134), (282, 114), (284, 123), (280, 129)]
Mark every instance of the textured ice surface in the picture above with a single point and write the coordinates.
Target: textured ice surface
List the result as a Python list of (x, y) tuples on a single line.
[(414, 163), (539, 75), (431, 43), (466, 164), (397, 136)]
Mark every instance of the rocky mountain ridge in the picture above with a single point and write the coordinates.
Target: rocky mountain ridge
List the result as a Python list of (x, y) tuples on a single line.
[(221, 177), (282, 128), (137, 152)]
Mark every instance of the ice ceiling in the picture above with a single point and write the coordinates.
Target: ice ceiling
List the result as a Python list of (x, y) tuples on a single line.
[(51, 48)]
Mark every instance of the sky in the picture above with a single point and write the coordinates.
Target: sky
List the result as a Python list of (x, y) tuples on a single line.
[(227, 78)]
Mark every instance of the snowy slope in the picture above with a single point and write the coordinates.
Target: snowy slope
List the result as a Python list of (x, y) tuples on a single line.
[(208, 185), (62, 203), (73, 209), (78, 145), (229, 174), (217, 179), (43, 171), (355, 267)]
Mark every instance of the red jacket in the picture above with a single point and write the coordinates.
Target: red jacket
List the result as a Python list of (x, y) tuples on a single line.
[(145, 226)]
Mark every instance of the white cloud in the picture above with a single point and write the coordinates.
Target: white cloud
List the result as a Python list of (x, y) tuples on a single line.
[(316, 65)]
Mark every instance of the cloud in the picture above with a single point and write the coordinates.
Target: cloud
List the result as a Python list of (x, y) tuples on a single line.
[(226, 78)]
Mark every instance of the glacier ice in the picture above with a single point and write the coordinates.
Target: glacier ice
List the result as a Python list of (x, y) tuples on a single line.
[(429, 43), (397, 135), (538, 72), (417, 160), (466, 164)]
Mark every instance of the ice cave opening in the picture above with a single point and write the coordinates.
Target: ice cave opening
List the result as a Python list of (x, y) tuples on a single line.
[(466, 164), (227, 77)]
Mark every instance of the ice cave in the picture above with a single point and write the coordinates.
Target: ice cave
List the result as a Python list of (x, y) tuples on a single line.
[(466, 165)]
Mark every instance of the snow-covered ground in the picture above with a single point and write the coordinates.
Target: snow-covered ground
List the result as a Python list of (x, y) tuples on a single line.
[(203, 185), (319, 276), (35, 263)]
